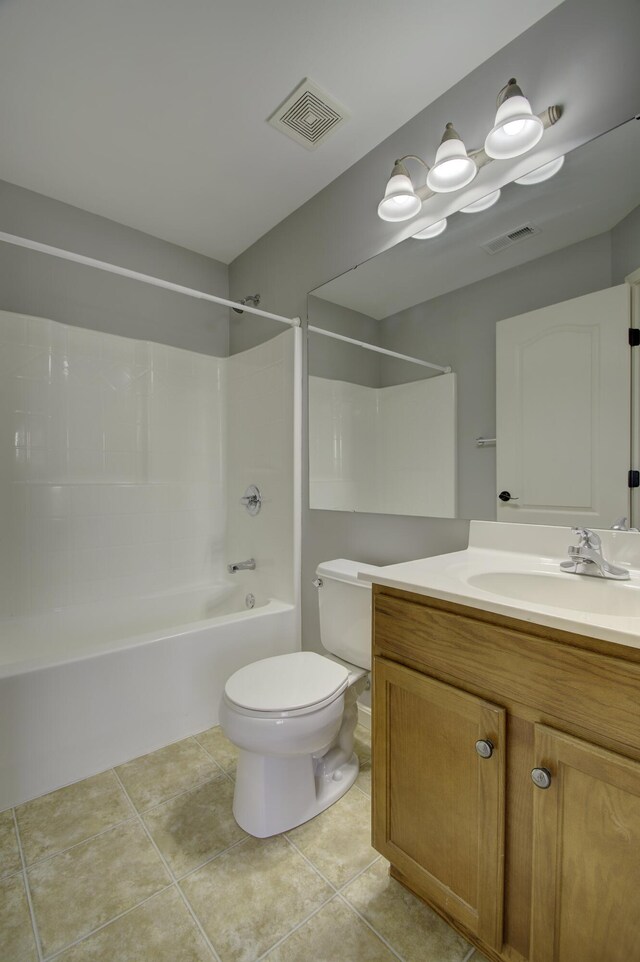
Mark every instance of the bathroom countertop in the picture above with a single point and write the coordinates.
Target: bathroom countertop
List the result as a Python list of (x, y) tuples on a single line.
[(527, 582)]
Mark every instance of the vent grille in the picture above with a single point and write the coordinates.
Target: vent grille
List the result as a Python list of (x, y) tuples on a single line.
[(309, 115), (500, 243)]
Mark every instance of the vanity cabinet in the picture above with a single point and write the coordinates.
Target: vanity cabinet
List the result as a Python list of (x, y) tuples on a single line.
[(466, 705)]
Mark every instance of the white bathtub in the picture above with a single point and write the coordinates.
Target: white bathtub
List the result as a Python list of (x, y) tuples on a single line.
[(86, 688)]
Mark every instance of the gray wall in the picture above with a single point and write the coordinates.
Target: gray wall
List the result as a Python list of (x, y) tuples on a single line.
[(576, 56), (625, 247), (459, 329), (44, 286), (335, 359)]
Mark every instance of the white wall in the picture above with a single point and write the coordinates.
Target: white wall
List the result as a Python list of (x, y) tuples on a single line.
[(260, 450), (111, 454), (388, 450)]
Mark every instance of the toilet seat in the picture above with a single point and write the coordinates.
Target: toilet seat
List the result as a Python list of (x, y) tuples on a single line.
[(286, 685)]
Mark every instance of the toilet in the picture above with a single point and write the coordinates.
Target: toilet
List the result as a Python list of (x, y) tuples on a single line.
[(293, 717)]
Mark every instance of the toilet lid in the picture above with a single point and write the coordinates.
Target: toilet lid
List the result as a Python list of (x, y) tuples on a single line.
[(286, 682)]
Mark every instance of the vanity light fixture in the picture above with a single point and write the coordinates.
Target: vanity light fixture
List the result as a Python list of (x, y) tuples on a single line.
[(541, 174), (432, 231), (453, 168), (517, 129), (483, 204), (400, 201)]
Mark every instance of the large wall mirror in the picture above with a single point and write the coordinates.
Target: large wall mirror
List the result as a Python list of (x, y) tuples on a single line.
[(524, 310)]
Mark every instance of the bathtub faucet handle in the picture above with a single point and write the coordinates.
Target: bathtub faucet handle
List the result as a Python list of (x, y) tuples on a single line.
[(252, 499)]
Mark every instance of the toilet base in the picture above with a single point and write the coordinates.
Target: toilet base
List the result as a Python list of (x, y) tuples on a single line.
[(275, 793)]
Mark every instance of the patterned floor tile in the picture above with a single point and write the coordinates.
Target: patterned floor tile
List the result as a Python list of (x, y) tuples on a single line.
[(9, 853), (335, 933), (338, 841), (407, 924), (220, 748), (86, 886), (161, 930), (60, 819), (156, 777), (252, 896), (193, 827), (17, 943)]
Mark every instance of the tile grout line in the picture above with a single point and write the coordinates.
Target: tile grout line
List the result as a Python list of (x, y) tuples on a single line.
[(27, 888), (172, 876), (104, 925), (212, 858), (133, 810), (338, 893), (170, 798), (213, 759), (368, 924), (90, 838), (295, 928)]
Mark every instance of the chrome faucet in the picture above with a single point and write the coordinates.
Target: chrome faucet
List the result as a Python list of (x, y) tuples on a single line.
[(249, 565), (587, 559), (621, 525)]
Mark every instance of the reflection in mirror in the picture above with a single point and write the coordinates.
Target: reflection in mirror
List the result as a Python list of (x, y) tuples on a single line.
[(545, 267)]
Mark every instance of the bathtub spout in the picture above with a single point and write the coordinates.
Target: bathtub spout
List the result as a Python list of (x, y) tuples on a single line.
[(249, 565)]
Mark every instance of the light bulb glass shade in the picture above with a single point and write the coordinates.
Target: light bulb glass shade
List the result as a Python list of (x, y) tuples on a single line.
[(516, 130), (452, 169), (540, 174), (432, 231), (483, 204), (400, 201)]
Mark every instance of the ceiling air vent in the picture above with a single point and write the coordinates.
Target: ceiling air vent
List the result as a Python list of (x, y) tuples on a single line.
[(309, 115), (498, 244)]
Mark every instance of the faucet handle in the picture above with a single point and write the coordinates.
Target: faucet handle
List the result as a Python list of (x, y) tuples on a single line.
[(588, 538)]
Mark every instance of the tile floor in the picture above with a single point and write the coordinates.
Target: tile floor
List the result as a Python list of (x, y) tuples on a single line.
[(145, 863)]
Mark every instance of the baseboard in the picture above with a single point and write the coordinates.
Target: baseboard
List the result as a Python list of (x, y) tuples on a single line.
[(364, 716)]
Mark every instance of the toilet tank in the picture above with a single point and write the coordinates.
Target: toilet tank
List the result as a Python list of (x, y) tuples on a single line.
[(345, 611)]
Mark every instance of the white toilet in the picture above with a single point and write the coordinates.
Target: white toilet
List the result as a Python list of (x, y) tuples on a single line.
[(293, 717)]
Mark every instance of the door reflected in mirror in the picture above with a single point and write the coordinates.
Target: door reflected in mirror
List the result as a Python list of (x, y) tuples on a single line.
[(550, 269)]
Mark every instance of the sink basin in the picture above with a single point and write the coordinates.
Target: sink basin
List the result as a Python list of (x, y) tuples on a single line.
[(577, 593)]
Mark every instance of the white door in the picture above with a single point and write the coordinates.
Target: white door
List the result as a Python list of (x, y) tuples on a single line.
[(563, 412)]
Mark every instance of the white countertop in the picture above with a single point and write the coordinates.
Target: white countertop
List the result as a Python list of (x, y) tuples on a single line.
[(593, 606)]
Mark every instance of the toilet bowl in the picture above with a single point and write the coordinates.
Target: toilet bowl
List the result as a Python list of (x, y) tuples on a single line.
[(293, 717)]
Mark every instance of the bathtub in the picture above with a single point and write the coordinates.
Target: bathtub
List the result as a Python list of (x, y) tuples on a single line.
[(83, 689)]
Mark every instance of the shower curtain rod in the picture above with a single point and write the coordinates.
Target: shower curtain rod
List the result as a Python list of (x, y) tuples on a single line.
[(379, 350), (144, 278)]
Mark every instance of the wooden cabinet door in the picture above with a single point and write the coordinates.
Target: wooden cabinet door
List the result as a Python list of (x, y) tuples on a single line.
[(438, 807), (586, 854)]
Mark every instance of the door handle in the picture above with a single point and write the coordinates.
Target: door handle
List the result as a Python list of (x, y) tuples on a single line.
[(507, 496)]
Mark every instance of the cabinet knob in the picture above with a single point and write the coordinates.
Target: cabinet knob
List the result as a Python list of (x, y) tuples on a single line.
[(484, 748), (541, 777)]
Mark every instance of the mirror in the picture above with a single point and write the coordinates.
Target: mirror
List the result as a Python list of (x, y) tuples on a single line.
[(390, 436)]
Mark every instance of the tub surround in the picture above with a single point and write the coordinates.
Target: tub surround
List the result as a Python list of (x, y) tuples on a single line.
[(124, 465)]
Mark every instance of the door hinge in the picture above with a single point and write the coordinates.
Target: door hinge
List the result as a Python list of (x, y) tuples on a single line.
[(634, 479), (634, 336)]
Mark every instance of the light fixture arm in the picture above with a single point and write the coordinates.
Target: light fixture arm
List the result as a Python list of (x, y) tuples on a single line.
[(413, 157)]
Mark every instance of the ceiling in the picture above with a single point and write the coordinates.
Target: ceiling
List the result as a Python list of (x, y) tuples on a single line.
[(153, 112), (579, 202)]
